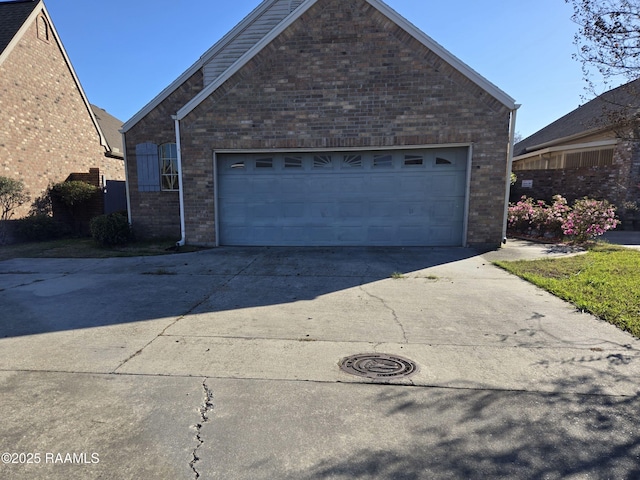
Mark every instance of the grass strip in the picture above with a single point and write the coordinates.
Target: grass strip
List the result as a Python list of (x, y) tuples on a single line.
[(605, 281), (87, 248)]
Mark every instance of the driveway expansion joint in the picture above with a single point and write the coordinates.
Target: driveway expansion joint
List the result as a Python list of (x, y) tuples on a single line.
[(205, 409)]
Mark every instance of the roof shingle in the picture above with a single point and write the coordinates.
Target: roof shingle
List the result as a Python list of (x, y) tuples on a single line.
[(593, 115), (110, 127), (12, 17)]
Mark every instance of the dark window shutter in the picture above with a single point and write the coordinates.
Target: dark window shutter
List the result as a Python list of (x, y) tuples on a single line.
[(148, 167)]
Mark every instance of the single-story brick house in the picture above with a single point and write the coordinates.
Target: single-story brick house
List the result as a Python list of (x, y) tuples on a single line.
[(592, 151), (48, 129), (323, 122)]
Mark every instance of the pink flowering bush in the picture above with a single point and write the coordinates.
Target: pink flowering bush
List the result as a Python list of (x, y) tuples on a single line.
[(521, 215), (589, 218), (537, 218), (585, 220)]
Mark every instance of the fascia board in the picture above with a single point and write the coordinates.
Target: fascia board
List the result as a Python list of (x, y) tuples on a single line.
[(244, 59), (443, 53), (427, 41), (21, 31), (569, 138), (103, 140), (41, 8), (563, 148), (204, 58)]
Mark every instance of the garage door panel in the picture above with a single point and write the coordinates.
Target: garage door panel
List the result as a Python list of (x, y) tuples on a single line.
[(321, 186), (264, 185), (268, 235), (409, 184), (294, 210), (382, 210), (349, 235), (352, 209), (259, 212), (322, 211), (408, 203)]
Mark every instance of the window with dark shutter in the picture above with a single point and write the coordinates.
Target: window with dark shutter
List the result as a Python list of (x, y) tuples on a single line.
[(148, 167)]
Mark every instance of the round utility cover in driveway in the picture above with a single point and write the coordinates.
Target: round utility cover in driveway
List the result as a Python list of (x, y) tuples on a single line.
[(378, 365), (386, 198)]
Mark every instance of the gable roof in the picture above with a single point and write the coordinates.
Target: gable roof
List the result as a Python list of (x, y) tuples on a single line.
[(12, 16), (17, 17), (592, 117), (262, 26), (110, 127)]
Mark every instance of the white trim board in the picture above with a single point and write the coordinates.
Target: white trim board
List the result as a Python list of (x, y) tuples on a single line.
[(219, 46), (395, 17)]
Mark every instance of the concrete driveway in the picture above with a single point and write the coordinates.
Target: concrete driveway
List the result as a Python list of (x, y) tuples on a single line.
[(223, 364)]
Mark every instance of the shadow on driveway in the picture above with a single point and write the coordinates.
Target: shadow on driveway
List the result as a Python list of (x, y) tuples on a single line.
[(479, 434), (50, 295)]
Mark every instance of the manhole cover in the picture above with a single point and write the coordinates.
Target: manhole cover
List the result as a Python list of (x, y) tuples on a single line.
[(378, 365)]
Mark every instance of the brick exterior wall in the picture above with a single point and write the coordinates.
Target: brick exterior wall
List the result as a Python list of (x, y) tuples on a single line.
[(46, 132), (343, 75), (157, 214), (616, 183)]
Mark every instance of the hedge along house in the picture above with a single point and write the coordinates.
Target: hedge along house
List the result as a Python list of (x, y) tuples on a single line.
[(323, 122)]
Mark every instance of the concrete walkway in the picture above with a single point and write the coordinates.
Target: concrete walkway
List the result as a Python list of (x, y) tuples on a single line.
[(223, 364)]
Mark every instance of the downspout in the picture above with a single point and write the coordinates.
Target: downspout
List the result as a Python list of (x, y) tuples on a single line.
[(512, 133), (183, 230), (126, 176)]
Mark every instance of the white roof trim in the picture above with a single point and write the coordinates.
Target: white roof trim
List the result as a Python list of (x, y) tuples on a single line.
[(569, 138), (567, 148), (427, 41), (21, 31), (447, 56), (244, 59), (41, 8), (193, 69)]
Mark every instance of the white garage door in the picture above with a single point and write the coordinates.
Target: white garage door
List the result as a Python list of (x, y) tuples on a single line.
[(399, 198)]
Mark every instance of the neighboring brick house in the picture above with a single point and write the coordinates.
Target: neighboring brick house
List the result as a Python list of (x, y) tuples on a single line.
[(592, 151), (323, 122), (47, 127)]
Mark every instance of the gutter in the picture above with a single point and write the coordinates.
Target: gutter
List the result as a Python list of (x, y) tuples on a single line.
[(512, 133), (126, 177), (183, 230)]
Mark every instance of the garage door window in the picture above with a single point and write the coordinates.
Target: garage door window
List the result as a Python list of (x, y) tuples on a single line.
[(382, 161), (413, 160), (322, 161), (264, 163), (352, 161), (292, 162)]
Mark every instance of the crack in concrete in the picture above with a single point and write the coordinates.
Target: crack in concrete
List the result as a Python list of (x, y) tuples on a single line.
[(205, 409), (188, 312), (393, 312), (32, 282)]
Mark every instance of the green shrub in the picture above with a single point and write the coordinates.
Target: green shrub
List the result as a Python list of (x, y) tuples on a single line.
[(73, 193), (111, 229), (12, 195), (35, 228)]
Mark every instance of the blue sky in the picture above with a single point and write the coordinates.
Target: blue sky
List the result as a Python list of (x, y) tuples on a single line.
[(126, 52)]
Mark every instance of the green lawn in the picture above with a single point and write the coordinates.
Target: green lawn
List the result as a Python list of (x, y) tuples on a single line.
[(87, 248), (604, 281)]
